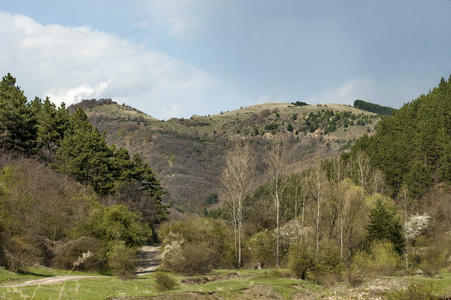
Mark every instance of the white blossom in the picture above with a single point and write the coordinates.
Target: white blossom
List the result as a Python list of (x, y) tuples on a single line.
[(416, 225)]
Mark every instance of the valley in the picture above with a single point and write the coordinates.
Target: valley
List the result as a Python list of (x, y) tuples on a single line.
[(187, 155)]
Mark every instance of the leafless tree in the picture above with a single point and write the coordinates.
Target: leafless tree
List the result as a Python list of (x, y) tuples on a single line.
[(236, 183), (276, 159)]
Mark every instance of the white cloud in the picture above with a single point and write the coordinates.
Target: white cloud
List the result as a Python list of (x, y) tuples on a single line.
[(72, 63)]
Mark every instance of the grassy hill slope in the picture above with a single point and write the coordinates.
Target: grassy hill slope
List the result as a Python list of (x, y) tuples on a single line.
[(188, 154)]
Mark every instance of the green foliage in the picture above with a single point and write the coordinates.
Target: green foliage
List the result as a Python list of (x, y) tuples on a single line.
[(375, 108), (305, 259), (384, 224), (212, 199), (52, 125), (67, 254), (35, 208), (413, 291), (381, 259), (412, 146), (164, 281), (433, 259), (271, 126), (18, 124), (123, 261), (84, 154), (115, 224), (299, 103), (262, 246), (196, 245), (302, 258)]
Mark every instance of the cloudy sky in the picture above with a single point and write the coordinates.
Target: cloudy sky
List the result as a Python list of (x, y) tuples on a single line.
[(176, 58)]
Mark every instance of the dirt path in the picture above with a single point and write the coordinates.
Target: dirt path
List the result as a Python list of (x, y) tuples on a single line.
[(50, 280), (149, 261)]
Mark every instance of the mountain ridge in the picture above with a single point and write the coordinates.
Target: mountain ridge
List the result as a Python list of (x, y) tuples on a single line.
[(187, 155)]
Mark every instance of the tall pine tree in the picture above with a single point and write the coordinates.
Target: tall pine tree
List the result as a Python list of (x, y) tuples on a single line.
[(18, 124)]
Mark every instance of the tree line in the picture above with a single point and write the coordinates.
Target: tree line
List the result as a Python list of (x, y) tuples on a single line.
[(114, 210), (375, 108)]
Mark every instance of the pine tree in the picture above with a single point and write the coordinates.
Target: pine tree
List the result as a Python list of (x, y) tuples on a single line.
[(385, 225), (84, 154), (52, 124), (18, 128)]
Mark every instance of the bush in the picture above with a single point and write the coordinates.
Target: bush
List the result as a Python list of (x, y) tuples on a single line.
[(301, 258), (432, 260), (164, 281), (196, 245), (67, 254), (324, 265), (189, 258), (123, 261), (262, 247), (413, 292), (382, 259)]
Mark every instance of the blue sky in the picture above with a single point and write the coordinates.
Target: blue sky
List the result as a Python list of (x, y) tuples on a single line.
[(176, 58)]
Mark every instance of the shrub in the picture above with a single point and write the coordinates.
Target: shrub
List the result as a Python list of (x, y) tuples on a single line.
[(189, 258), (196, 245), (382, 259), (432, 260), (262, 247), (123, 261), (324, 266), (302, 258), (67, 254), (164, 281), (413, 292)]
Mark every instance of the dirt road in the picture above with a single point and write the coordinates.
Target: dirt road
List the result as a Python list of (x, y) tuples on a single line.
[(51, 280), (149, 261)]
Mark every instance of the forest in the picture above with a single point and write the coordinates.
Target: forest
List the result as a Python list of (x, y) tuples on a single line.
[(379, 208), (64, 191), (375, 108)]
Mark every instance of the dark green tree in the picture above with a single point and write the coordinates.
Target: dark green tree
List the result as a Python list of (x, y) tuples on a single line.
[(385, 225), (84, 154), (52, 124), (18, 124)]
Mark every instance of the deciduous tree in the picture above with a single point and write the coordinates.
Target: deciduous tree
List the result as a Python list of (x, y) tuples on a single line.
[(236, 182)]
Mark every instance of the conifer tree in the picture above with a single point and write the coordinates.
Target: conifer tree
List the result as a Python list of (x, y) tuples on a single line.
[(18, 128), (84, 154), (385, 225)]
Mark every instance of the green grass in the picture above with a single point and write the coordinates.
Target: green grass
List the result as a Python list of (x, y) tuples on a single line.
[(250, 284), (441, 282)]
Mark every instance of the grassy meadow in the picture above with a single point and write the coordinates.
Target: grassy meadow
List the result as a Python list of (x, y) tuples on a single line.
[(220, 284)]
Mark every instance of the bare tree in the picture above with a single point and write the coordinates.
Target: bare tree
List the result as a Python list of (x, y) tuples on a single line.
[(276, 159), (236, 183), (362, 170), (318, 183)]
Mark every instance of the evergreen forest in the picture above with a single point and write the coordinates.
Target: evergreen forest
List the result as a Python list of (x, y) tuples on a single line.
[(375, 108)]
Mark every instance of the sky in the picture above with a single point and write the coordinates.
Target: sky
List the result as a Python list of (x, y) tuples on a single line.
[(178, 58)]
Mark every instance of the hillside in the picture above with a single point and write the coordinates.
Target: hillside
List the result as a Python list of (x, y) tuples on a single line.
[(187, 155), (413, 147)]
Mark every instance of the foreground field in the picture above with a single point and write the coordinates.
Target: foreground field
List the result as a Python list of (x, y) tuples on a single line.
[(221, 284)]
